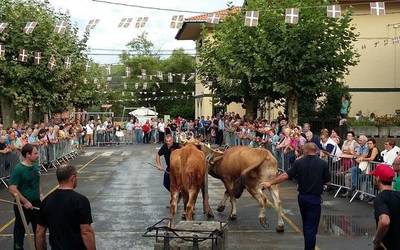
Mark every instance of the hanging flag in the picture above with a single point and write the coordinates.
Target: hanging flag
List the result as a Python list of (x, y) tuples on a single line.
[(292, 16), (183, 79), (52, 62), (29, 27), (127, 71), (84, 81), (23, 55), (61, 26), (87, 66), (160, 75), (157, 84), (151, 77), (109, 78), (334, 11), (123, 93), (2, 50), (3, 26), (125, 22), (67, 62), (141, 22), (136, 85), (377, 8), (212, 18), (145, 85), (131, 93), (191, 77), (176, 22), (92, 23), (170, 78), (251, 18), (143, 74), (125, 85), (37, 56)]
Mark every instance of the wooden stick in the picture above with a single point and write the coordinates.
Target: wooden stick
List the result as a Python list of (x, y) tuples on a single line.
[(14, 203), (27, 230)]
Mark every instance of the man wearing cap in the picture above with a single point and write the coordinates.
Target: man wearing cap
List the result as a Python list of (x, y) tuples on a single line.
[(387, 207)]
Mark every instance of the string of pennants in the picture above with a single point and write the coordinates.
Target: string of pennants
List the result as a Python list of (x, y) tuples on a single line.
[(292, 16), (182, 97)]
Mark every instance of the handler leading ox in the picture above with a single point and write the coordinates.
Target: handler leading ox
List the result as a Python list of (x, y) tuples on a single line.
[(187, 175), (243, 167)]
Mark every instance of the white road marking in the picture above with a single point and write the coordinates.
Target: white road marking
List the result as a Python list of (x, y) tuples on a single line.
[(126, 153), (90, 153), (107, 153)]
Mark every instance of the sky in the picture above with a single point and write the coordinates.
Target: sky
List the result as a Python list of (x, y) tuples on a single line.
[(107, 34)]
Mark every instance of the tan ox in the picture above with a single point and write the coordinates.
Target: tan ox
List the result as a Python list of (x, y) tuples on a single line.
[(243, 167), (187, 176)]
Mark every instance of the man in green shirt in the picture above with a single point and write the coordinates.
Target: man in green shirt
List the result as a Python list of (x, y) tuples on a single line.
[(396, 168), (25, 182)]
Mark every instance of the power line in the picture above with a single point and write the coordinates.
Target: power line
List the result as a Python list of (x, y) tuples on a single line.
[(151, 8), (119, 54)]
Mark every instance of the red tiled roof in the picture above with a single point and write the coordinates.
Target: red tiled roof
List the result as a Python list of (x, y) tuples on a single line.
[(220, 13)]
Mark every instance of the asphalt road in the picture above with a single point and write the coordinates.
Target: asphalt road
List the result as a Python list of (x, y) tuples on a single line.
[(126, 197)]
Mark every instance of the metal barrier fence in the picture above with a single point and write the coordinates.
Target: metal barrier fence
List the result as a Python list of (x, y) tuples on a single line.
[(51, 155)]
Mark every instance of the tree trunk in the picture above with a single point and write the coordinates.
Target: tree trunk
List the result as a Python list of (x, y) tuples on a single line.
[(251, 108), (8, 111), (293, 113)]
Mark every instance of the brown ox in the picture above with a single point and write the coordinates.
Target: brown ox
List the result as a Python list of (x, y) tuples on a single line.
[(243, 167), (187, 176)]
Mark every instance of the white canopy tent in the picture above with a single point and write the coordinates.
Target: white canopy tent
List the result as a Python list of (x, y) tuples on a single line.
[(144, 114)]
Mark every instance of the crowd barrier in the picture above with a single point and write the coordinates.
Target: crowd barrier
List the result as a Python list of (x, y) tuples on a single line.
[(50, 156)]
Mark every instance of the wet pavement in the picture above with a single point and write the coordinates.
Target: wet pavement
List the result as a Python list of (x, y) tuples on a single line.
[(126, 196)]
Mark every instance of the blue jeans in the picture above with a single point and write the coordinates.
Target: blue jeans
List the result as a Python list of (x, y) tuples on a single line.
[(355, 173), (310, 209), (138, 136)]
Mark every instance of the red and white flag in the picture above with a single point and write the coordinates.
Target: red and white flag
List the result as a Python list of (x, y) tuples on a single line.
[(3, 26), (37, 57), (29, 27), (23, 55), (61, 26)]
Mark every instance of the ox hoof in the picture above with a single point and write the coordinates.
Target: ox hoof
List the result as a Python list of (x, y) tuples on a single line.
[(280, 229), (233, 217), (263, 221), (220, 209)]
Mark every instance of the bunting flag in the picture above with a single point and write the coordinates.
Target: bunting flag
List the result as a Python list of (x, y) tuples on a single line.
[(213, 18), (87, 66), (334, 11), (141, 22), (132, 94), (292, 16), (3, 26), (67, 62), (145, 85), (123, 93), (191, 77), (92, 23), (377, 8), (143, 76), (23, 55), (176, 22), (125, 22), (125, 85), (52, 62), (29, 27), (37, 57), (157, 84), (251, 18), (61, 26), (2, 51), (109, 78), (170, 78), (109, 69), (127, 72), (183, 79), (160, 75), (136, 85)]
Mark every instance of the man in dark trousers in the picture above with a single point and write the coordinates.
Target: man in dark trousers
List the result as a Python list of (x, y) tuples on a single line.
[(311, 174), (165, 151), (387, 209), (25, 182), (67, 215)]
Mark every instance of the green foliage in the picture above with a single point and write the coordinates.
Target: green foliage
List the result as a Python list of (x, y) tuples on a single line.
[(277, 60), (26, 83)]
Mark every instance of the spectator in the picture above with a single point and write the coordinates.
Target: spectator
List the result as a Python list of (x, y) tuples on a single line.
[(329, 148), (138, 132), (89, 133), (129, 131), (3, 146), (146, 132), (344, 109), (391, 151), (396, 168), (25, 182), (67, 215), (161, 131)]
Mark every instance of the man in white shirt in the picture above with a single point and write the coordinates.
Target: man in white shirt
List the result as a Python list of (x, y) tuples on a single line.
[(161, 131), (89, 133), (391, 151), (129, 131)]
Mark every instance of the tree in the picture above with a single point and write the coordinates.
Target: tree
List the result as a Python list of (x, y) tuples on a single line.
[(277, 60), (25, 86)]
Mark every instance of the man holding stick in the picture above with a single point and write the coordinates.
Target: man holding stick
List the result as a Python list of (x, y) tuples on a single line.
[(25, 182), (166, 150)]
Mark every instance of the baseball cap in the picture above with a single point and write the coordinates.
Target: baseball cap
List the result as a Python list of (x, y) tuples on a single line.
[(384, 172)]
